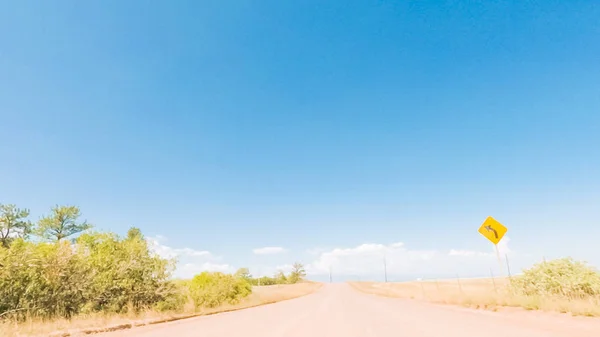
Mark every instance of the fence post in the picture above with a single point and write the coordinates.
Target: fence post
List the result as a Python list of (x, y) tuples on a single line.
[(493, 280)]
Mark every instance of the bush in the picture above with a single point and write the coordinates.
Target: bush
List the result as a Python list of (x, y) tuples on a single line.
[(563, 277), (213, 289), (99, 272), (176, 297), (122, 272), (44, 279)]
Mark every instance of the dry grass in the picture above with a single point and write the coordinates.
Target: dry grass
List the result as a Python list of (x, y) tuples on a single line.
[(277, 293), (486, 293), (103, 322)]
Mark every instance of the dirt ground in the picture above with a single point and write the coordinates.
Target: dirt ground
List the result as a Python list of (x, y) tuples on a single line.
[(484, 293)]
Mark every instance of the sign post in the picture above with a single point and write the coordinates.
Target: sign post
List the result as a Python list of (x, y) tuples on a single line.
[(494, 231)]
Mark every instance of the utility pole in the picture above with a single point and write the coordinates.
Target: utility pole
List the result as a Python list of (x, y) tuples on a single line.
[(330, 278), (385, 268)]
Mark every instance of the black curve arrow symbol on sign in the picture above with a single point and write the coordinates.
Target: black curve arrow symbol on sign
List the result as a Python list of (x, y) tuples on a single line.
[(490, 229)]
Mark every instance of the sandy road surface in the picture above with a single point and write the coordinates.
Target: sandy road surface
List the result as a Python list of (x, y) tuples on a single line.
[(339, 310)]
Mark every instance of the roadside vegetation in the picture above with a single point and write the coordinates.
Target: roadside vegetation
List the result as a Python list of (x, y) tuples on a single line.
[(60, 272), (562, 285)]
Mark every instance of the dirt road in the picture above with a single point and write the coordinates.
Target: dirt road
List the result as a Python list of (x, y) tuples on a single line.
[(339, 310)]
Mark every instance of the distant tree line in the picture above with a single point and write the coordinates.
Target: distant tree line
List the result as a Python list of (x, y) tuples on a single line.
[(297, 274)]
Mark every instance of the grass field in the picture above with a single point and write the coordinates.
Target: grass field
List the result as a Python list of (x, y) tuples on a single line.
[(485, 293), (82, 325)]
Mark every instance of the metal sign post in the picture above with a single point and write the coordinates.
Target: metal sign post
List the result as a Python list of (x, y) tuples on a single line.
[(494, 231)]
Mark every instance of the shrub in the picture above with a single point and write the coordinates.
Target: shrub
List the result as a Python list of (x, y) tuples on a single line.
[(213, 289), (122, 272), (175, 299), (563, 277), (99, 272), (41, 279)]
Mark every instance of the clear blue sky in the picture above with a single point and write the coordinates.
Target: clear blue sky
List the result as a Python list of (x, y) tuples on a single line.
[(227, 126)]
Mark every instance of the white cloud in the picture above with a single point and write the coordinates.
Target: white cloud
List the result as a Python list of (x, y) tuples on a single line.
[(188, 270), (192, 252), (461, 252), (397, 245), (316, 251), (160, 238), (269, 270), (262, 270), (503, 248), (269, 250), (189, 261), (364, 261), (368, 259), (169, 252), (286, 268)]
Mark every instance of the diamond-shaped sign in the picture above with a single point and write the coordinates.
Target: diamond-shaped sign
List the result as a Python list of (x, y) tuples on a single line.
[(492, 230)]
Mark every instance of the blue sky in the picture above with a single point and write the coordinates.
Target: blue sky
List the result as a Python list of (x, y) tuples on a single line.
[(334, 130)]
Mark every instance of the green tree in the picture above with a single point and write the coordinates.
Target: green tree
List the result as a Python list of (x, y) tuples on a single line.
[(62, 223), (280, 278), (298, 273), (134, 233), (243, 273), (13, 224)]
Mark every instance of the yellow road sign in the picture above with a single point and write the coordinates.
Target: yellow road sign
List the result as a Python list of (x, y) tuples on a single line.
[(492, 230)]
